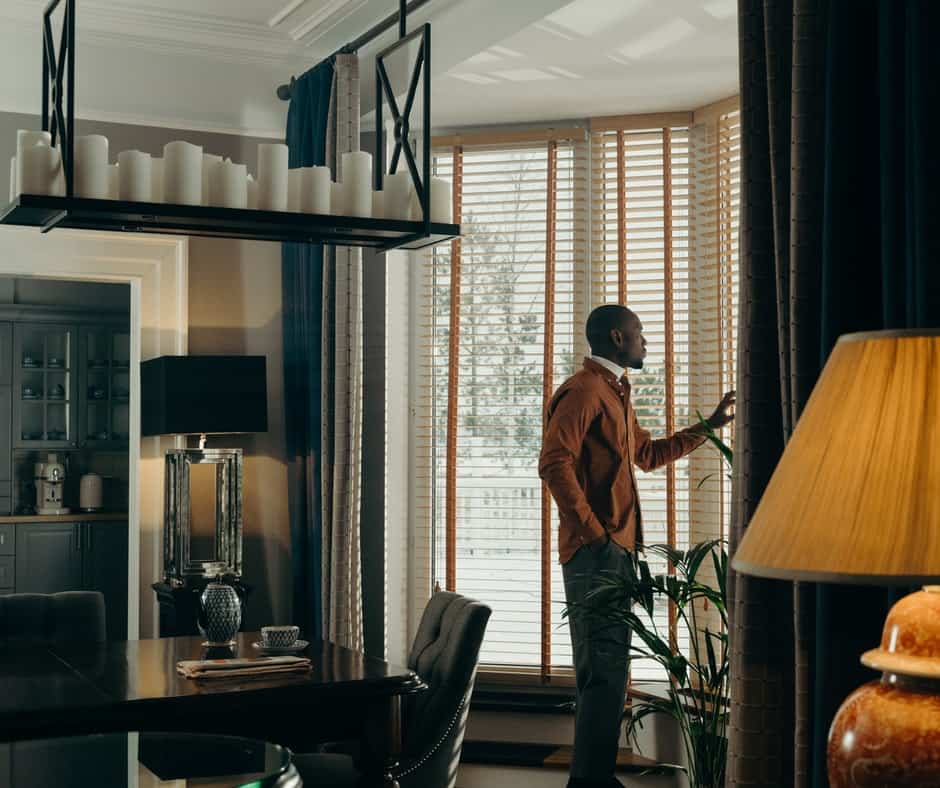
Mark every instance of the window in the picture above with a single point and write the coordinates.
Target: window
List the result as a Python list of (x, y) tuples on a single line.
[(551, 227)]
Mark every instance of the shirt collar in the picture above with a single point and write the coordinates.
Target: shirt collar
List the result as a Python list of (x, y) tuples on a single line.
[(616, 370)]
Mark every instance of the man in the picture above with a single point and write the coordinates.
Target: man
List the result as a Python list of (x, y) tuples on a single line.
[(591, 442)]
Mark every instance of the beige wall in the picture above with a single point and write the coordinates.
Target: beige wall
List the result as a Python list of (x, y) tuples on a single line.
[(235, 308)]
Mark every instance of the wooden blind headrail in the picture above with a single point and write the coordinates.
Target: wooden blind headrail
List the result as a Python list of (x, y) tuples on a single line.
[(509, 137), (652, 121)]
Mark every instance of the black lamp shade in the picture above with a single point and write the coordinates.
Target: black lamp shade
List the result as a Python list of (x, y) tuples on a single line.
[(192, 395)]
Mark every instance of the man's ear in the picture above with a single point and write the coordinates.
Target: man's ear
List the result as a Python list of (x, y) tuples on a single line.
[(616, 337)]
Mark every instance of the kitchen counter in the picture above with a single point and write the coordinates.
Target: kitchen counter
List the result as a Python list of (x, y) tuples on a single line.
[(74, 517)]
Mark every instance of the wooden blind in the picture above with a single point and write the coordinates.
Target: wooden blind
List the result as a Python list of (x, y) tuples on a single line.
[(551, 228), (500, 316)]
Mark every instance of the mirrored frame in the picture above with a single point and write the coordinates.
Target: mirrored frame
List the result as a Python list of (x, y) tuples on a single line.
[(178, 560)]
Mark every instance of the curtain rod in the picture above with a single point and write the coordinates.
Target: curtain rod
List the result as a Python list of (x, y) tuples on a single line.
[(398, 18)]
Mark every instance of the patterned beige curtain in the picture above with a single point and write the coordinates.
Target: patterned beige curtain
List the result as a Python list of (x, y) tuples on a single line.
[(342, 401)]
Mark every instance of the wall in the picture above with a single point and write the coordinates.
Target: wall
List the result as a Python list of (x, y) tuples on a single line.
[(234, 307), (54, 292)]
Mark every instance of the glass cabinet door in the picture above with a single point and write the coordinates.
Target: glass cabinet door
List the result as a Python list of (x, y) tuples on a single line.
[(44, 394), (105, 386)]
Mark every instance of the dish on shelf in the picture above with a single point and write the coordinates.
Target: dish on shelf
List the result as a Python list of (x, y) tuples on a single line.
[(97, 393), (30, 363), (97, 364), (26, 435), (55, 435), (55, 363), (121, 364), (101, 435), (30, 393)]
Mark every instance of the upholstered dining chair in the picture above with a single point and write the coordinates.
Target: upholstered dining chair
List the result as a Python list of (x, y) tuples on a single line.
[(52, 618), (444, 654)]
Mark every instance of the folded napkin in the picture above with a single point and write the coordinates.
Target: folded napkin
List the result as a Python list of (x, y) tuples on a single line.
[(248, 667)]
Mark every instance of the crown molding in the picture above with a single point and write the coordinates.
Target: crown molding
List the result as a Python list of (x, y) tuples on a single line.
[(169, 33)]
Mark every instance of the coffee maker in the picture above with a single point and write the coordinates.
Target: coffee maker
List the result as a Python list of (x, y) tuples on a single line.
[(50, 479)]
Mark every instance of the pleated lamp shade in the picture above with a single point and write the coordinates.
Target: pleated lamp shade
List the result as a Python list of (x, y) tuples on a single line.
[(856, 494)]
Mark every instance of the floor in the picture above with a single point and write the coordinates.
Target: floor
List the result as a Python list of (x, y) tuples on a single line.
[(473, 776)]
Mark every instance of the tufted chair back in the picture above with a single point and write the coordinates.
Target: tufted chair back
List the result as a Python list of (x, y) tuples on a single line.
[(51, 618), (444, 655)]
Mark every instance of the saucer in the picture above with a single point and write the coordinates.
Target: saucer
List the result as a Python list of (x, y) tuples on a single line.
[(298, 645)]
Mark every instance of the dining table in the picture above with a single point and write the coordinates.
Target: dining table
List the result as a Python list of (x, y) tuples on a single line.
[(75, 688)]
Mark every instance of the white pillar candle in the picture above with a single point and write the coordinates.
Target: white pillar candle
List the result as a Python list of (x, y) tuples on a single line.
[(135, 176), (356, 171), (12, 178), (442, 201), (182, 173), (399, 193), (40, 170), (114, 182), (272, 177), (337, 200), (294, 180), (91, 167), (230, 189), (378, 205), (27, 139), (210, 163), (156, 179), (315, 189), (252, 192)]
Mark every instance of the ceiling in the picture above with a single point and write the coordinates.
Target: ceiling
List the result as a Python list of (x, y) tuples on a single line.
[(598, 57), (214, 64)]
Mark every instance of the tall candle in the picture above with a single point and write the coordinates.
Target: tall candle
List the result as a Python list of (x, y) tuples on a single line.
[(230, 189), (399, 192), (337, 200), (272, 177), (12, 178), (252, 192), (114, 182), (40, 168), (294, 180), (442, 201), (378, 205), (156, 179), (182, 173), (135, 176), (91, 166), (357, 182), (315, 190), (26, 138), (210, 163)]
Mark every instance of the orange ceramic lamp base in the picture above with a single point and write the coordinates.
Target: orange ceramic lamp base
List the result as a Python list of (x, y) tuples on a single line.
[(888, 732)]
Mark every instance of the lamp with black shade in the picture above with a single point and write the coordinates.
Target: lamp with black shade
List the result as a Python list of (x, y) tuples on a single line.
[(202, 536)]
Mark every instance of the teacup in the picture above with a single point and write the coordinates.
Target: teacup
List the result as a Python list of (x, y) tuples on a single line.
[(280, 636)]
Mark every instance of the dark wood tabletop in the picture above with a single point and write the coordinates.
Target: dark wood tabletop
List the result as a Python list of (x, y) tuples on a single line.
[(118, 686)]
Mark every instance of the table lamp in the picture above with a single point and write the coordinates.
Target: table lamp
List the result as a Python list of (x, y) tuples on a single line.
[(203, 395), (855, 498)]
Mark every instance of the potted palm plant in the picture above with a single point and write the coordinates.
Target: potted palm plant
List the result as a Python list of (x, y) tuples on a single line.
[(696, 695)]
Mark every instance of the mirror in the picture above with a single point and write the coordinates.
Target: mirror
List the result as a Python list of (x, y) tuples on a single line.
[(203, 528), (203, 511)]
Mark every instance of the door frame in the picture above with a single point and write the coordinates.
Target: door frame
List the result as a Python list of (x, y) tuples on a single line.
[(156, 267)]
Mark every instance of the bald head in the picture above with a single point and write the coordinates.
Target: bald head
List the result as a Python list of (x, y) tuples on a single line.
[(616, 333)]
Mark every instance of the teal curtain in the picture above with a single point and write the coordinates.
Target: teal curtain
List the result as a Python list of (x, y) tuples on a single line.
[(302, 296), (839, 186)]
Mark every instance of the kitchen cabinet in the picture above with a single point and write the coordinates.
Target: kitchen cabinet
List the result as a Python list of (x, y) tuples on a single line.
[(48, 558), (104, 361), (76, 556), (45, 409)]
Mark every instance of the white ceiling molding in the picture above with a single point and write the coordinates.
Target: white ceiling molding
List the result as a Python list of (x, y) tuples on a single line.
[(285, 12), (165, 32), (324, 19)]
